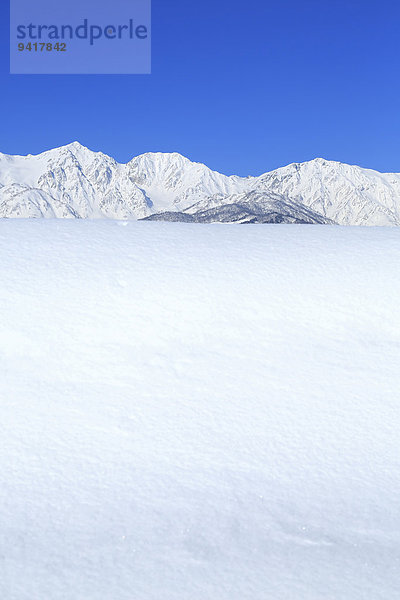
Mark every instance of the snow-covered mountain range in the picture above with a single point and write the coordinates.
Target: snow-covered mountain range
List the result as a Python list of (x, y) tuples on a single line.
[(75, 182)]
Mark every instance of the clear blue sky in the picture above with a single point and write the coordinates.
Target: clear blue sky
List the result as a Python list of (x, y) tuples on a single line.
[(243, 87)]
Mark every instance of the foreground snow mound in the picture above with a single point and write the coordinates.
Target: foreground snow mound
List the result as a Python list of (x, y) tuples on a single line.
[(199, 412)]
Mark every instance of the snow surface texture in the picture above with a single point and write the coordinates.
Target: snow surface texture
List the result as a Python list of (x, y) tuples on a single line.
[(72, 181), (199, 412)]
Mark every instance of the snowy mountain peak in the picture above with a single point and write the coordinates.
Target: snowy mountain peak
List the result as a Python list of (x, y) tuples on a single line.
[(80, 152), (73, 147), (76, 146)]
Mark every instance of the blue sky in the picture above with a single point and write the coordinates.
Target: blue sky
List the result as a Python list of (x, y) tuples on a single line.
[(243, 87)]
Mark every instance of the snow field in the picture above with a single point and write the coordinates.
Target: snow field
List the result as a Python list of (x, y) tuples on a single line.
[(195, 412)]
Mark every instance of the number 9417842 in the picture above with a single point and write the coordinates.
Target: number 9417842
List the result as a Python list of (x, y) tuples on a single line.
[(42, 47)]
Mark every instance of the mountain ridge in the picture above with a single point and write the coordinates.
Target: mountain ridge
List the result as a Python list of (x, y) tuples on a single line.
[(74, 182)]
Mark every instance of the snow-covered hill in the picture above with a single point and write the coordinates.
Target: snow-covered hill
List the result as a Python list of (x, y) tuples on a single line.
[(199, 413), (253, 207), (73, 181)]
